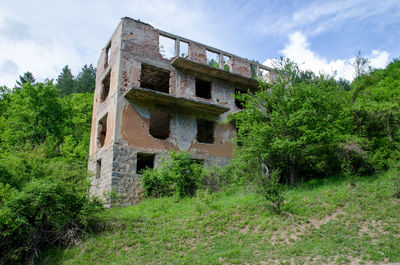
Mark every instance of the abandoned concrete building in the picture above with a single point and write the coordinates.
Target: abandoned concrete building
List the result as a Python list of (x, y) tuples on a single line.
[(155, 92)]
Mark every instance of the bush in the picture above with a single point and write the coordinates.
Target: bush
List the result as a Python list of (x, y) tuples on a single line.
[(44, 142), (180, 175), (375, 110), (298, 126), (269, 187), (43, 201), (44, 212)]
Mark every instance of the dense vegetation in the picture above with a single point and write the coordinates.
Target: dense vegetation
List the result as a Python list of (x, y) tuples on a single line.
[(44, 139), (306, 126)]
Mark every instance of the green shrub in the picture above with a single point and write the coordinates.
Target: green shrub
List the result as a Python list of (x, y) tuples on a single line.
[(298, 126), (375, 111), (43, 201), (269, 187), (44, 142), (180, 175), (44, 212)]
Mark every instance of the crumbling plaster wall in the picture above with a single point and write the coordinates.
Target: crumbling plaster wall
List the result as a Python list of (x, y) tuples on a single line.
[(103, 184), (132, 44), (100, 109), (109, 104)]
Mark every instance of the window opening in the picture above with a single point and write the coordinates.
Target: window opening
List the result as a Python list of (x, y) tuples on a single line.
[(205, 131), (212, 59), (238, 103), (166, 47), (107, 56), (227, 63), (183, 49), (102, 131), (203, 88), (154, 78), (105, 87), (264, 75), (253, 71), (144, 161), (159, 124), (98, 168)]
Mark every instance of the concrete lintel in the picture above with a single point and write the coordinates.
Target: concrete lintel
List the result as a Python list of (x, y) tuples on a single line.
[(203, 69), (180, 103)]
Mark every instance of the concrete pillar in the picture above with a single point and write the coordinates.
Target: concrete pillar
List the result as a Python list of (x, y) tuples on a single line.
[(177, 47)]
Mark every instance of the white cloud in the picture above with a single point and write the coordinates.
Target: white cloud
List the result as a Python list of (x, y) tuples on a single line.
[(298, 50), (379, 59)]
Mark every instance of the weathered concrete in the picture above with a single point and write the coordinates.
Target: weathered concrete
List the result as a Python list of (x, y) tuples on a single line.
[(143, 82)]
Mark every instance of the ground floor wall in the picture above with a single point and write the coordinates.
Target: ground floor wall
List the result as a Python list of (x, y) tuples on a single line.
[(118, 171)]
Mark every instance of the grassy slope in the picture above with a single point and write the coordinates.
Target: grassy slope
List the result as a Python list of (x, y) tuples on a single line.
[(334, 222)]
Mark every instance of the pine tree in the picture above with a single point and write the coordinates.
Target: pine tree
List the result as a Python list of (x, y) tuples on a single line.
[(86, 79), (26, 77), (65, 82)]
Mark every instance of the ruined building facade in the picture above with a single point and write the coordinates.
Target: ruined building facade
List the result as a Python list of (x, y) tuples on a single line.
[(156, 91)]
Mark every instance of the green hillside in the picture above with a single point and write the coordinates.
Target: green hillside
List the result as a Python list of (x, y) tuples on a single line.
[(326, 221)]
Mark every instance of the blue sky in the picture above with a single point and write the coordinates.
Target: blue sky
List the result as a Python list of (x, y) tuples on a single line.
[(42, 36)]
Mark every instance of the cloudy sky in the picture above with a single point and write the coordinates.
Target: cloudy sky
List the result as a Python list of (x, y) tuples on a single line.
[(42, 36)]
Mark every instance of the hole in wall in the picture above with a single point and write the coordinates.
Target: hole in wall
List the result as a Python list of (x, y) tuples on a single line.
[(143, 161), (107, 55), (205, 131), (154, 78), (238, 103), (166, 47), (212, 59), (183, 49), (159, 124), (98, 168), (203, 88), (253, 71), (102, 131), (105, 86), (227, 63), (264, 74)]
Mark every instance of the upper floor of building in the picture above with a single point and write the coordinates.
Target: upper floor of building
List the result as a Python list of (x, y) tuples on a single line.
[(159, 66)]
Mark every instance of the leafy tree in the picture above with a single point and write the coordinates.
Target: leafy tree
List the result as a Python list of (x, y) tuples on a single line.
[(44, 142), (25, 78), (361, 65), (4, 91), (34, 112), (344, 84), (65, 82), (86, 79), (4, 98), (376, 112), (77, 112), (213, 63), (299, 126)]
